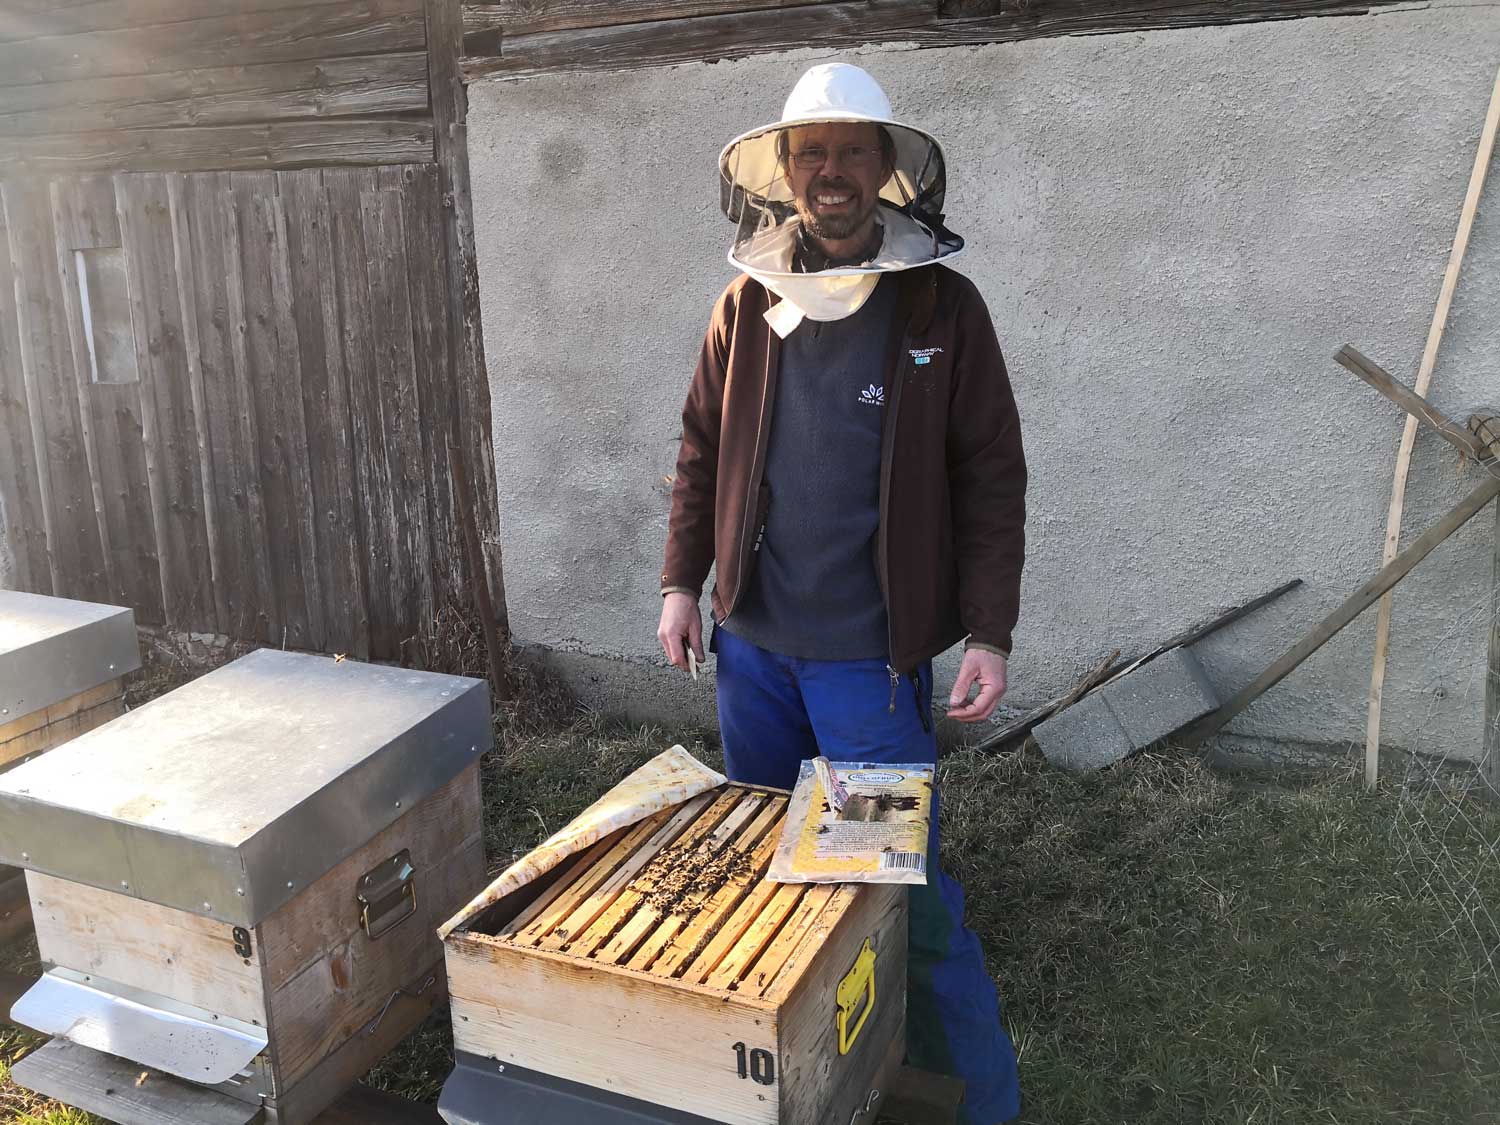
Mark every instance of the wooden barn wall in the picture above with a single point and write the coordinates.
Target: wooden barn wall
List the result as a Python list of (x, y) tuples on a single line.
[(516, 38), (277, 470), (283, 181), (147, 85)]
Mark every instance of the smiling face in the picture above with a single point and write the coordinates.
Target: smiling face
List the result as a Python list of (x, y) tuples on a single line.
[(835, 172)]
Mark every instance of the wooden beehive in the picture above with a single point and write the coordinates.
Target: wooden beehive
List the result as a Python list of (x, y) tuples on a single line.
[(62, 670), (663, 966), (237, 887), (62, 673)]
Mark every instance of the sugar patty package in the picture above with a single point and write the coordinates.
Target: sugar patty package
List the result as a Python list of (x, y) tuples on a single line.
[(879, 835)]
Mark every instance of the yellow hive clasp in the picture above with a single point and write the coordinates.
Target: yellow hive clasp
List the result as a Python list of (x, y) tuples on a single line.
[(858, 983)]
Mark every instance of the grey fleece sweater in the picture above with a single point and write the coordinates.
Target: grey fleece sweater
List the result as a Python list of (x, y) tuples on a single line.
[(814, 592)]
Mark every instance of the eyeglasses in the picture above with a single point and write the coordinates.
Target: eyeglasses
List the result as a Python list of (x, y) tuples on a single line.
[(854, 156)]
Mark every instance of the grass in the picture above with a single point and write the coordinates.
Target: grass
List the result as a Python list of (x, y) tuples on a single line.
[(1173, 946)]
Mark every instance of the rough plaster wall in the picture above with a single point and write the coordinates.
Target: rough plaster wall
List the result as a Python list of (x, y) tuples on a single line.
[(1174, 231)]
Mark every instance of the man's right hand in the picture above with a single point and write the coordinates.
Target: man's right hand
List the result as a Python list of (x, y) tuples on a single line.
[(681, 628)]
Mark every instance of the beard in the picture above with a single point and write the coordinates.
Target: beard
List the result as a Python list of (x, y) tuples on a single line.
[(834, 227)]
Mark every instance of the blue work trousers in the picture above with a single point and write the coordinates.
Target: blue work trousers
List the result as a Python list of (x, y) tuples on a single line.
[(776, 711)]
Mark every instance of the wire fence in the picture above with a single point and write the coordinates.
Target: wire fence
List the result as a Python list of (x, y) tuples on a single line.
[(1446, 831)]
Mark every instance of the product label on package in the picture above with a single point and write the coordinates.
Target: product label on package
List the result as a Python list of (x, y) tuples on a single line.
[(878, 835)]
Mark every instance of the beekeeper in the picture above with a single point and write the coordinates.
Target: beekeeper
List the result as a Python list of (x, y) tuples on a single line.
[(851, 463)]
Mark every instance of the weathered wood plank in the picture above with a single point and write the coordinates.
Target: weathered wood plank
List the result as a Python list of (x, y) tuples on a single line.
[(170, 426), (400, 412), (422, 219), (474, 452), (372, 472), (187, 287), (325, 397), (87, 217), (282, 144), (279, 433), (23, 535), (348, 27), (363, 85), (243, 595), (290, 431), (118, 436), (1068, 17), (83, 210), (522, 17), (72, 205), (75, 551), (29, 19), (325, 977), (112, 1088), (668, 42)]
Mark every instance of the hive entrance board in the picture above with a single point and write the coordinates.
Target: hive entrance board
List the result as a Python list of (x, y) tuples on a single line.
[(662, 964)]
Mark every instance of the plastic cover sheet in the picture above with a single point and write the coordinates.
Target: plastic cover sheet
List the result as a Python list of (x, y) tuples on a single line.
[(670, 778)]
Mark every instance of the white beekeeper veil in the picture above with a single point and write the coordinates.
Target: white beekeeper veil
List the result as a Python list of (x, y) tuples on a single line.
[(756, 197)]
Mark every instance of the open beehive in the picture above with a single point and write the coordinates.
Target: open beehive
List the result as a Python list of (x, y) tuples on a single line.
[(236, 887), (660, 966)]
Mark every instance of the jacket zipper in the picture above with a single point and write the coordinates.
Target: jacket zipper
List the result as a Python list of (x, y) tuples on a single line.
[(887, 457), (757, 469)]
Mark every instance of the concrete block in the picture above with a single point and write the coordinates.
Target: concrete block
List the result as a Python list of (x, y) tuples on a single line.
[(1086, 736), (1161, 697)]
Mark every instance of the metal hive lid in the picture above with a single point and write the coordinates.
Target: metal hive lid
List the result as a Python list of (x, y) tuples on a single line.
[(231, 794), (54, 648)]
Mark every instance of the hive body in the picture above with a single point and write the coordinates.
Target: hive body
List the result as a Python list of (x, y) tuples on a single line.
[(264, 883), (661, 966)]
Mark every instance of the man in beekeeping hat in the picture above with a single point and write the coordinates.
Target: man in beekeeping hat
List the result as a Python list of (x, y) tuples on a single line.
[(851, 464)]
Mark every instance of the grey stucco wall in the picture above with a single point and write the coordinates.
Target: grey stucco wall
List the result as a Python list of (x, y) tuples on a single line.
[(1174, 231)]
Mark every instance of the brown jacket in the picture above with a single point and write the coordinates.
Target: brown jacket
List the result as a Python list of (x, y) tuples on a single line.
[(952, 472)]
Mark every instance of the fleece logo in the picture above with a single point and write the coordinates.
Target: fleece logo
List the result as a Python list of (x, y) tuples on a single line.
[(919, 356), (872, 395)]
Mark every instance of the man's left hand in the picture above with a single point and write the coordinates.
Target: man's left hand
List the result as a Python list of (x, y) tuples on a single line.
[(985, 670)]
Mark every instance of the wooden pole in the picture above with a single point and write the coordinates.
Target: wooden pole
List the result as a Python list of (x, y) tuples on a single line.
[(1486, 428), (1409, 435), (1490, 749), (1411, 402), (1366, 596)]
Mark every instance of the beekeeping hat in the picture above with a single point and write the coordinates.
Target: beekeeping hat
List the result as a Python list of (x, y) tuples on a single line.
[(757, 198)]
